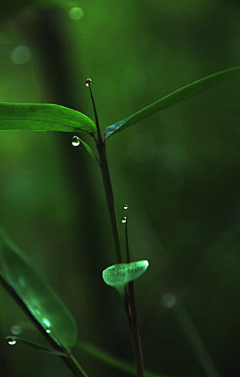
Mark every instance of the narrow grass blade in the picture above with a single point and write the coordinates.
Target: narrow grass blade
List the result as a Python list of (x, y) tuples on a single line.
[(112, 360), (43, 304), (43, 117), (171, 99), (13, 340)]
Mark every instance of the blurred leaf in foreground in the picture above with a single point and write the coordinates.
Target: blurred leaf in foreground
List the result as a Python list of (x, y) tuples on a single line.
[(43, 304)]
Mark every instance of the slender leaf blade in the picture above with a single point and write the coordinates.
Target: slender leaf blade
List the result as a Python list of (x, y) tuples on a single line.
[(113, 360), (89, 150), (171, 99), (37, 346), (43, 304), (43, 117)]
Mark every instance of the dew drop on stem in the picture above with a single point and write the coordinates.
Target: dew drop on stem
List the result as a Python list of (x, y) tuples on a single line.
[(125, 206), (88, 82), (124, 220), (76, 141)]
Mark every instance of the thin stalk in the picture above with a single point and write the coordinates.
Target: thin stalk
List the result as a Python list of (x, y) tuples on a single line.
[(126, 240), (130, 299), (135, 333), (69, 360), (110, 199), (89, 83), (131, 307)]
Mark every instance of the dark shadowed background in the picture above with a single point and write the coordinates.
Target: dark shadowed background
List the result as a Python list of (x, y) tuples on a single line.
[(179, 171)]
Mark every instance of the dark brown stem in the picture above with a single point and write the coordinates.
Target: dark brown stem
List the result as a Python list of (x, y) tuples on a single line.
[(135, 333), (110, 199)]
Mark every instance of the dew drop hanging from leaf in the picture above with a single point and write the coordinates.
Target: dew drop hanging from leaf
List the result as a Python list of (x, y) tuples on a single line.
[(11, 341), (76, 141)]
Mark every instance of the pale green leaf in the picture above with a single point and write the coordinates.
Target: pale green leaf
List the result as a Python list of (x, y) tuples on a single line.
[(119, 275)]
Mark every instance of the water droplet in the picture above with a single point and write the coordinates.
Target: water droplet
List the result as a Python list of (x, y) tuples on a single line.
[(16, 330), (88, 82), (168, 300), (125, 206), (76, 141), (48, 331), (20, 55), (75, 13), (11, 341), (124, 220)]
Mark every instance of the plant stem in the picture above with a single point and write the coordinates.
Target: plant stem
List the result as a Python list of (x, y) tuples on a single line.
[(135, 333), (110, 199), (69, 360), (129, 299)]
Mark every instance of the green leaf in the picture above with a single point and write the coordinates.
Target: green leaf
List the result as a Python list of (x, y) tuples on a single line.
[(119, 275), (112, 360), (43, 117), (89, 150), (13, 340), (43, 304), (169, 100)]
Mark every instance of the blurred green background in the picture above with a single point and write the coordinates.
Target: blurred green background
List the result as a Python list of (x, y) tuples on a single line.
[(178, 171)]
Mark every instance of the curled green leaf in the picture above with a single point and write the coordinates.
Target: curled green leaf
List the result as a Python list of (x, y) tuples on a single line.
[(119, 275)]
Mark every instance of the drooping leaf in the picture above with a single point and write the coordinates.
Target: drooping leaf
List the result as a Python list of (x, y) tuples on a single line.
[(43, 304), (39, 347), (119, 275), (171, 99), (89, 150), (43, 117), (112, 360)]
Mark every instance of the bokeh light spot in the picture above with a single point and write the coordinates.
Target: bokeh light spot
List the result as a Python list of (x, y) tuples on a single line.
[(16, 330), (75, 13), (168, 300), (20, 55)]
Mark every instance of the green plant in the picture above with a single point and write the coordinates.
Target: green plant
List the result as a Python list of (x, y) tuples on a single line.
[(21, 279)]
